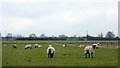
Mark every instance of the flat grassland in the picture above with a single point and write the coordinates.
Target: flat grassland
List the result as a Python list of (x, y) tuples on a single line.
[(64, 56)]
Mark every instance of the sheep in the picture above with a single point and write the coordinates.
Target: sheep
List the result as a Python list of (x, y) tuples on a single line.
[(50, 51), (4, 45), (36, 45), (14, 46), (64, 45), (81, 45), (28, 46), (89, 50), (39, 46)]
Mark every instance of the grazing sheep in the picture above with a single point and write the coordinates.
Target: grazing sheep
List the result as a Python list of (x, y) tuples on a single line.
[(14, 46), (39, 46), (64, 45), (36, 45), (50, 51), (89, 50), (28, 46), (4, 45), (81, 45)]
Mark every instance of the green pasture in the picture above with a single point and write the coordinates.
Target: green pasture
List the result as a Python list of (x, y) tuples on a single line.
[(64, 56)]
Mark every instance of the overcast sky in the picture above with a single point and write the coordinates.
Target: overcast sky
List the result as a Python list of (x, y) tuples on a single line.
[(55, 17)]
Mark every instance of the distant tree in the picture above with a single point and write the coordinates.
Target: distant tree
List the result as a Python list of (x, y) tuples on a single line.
[(19, 36), (42, 36), (53, 36), (110, 35), (0, 35), (75, 35), (9, 35), (100, 35), (32, 35), (117, 36), (62, 36)]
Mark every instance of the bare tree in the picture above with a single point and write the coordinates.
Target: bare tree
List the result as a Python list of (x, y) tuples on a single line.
[(110, 35), (100, 35), (9, 35), (42, 36), (32, 35)]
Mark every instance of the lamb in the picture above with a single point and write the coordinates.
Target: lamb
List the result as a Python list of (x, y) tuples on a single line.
[(64, 45), (28, 47), (14, 46), (39, 46), (4, 45), (50, 51), (36, 45), (81, 45), (89, 50)]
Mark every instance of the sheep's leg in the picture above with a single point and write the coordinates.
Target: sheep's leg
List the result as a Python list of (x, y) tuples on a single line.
[(30, 47), (86, 55), (89, 55), (52, 55), (92, 54), (48, 55)]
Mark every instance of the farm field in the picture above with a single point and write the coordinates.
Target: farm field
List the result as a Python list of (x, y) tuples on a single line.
[(64, 56)]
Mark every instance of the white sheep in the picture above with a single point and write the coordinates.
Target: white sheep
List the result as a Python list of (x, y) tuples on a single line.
[(4, 45), (14, 46), (28, 46), (39, 46), (64, 45), (50, 51), (89, 50), (81, 45), (36, 45)]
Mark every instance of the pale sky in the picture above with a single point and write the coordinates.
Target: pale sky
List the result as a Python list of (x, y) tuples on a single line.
[(55, 17)]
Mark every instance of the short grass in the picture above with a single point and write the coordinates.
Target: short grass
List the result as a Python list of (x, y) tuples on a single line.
[(69, 56)]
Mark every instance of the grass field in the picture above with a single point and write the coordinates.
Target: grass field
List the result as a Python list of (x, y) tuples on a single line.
[(69, 56)]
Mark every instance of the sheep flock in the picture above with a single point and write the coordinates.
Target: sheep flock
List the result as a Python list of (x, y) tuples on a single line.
[(88, 50)]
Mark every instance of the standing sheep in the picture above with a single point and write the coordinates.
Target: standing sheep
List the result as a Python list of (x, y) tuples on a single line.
[(14, 46), (4, 45), (28, 46), (89, 50), (81, 45), (50, 51)]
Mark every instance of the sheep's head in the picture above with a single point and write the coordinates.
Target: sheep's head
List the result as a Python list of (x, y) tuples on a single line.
[(94, 46)]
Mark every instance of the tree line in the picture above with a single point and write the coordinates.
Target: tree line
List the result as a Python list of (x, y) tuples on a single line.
[(109, 36)]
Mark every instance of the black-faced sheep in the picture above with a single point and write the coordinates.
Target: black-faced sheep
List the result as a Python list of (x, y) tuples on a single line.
[(50, 51), (14, 46), (89, 50), (39, 46), (28, 47), (4, 45), (36, 45), (64, 45)]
